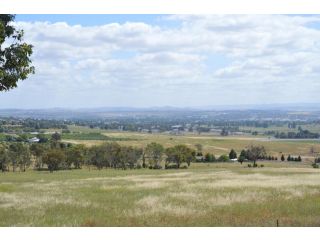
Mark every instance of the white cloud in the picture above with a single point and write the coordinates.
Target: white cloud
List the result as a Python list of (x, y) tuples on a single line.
[(128, 64)]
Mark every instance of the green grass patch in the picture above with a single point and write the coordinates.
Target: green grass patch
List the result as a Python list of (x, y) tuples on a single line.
[(91, 136)]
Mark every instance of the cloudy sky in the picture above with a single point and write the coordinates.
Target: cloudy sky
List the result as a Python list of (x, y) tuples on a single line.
[(166, 60)]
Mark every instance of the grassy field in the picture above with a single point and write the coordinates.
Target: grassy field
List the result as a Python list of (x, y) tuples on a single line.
[(224, 194)]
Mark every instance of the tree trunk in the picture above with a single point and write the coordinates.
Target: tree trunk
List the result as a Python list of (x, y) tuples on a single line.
[(143, 161)]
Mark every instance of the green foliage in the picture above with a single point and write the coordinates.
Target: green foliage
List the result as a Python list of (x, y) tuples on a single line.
[(42, 138), (179, 154), (129, 157), (243, 156), (223, 158), (255, 152), (55, 137), (89, 136), (209, 157), (232, 154), (15, 62), (38, 150), (153, 153), (75, 155), (54, 159), (4, 158)]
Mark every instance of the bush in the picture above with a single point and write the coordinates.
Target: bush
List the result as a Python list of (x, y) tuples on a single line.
[(249, 165), (255, 165), (223, 158), (314, 165), (261, 165)]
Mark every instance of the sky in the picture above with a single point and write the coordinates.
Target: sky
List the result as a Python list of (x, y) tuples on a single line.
[(168, 60)]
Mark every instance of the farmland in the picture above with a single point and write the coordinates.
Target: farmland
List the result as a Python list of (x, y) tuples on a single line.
[(211, 143)]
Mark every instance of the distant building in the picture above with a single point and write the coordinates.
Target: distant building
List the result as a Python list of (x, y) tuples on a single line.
[(33, 140), (176, 129), (234, 159)]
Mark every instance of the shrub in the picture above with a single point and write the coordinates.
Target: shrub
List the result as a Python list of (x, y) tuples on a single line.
[(314, 165), (223, 158), (249, 165), (261, 165)]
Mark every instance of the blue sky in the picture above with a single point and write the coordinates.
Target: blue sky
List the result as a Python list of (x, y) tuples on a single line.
[(176, 60), (98, 19)]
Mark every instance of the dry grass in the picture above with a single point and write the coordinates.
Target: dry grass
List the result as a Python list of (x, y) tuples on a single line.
[(209, 196)]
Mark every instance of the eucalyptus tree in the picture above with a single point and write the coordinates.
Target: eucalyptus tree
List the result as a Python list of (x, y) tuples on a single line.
[(24, 159), (179, 154), (38, 150), (154, 152), (255, 152), (54, 158), (4, 158), (75, 155)]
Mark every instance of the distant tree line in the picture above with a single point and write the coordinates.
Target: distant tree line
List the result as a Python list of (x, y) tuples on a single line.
[(291, 158), (300, 134)]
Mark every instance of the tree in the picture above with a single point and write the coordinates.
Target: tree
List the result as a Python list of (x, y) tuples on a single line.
[(154, 152), (4, 158), (282, 157), (144, 160), (243, 156), (199, 148), (38, 150), (232, 154), (223, 158), (97, 157), (179, 154), (14, 154), (129, 156), (54, 158), (56, 137), (24, 159), (209, 157), (76, 155), (112, 154), (255, 152), (289, 158), (299, 158), (15, 62)]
